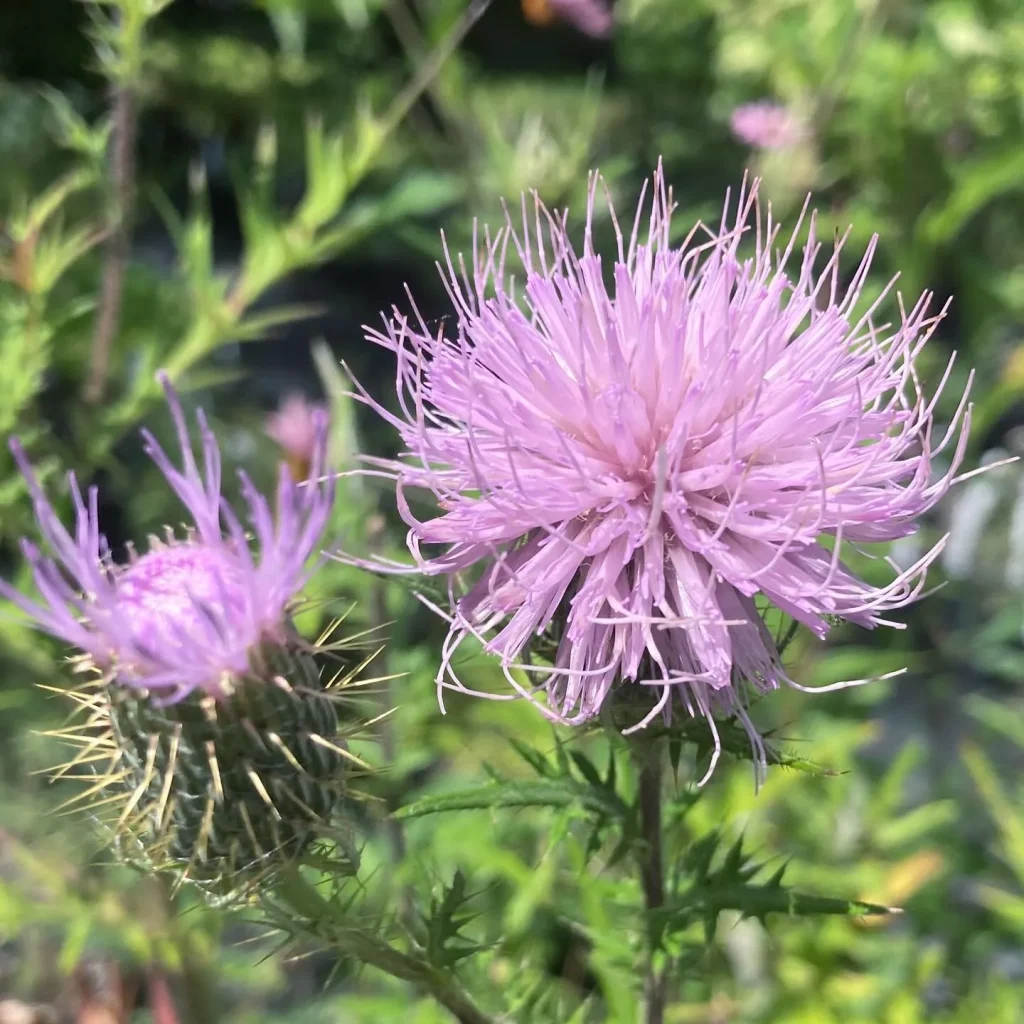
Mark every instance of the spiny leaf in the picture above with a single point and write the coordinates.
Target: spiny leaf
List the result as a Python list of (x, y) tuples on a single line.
[(759, 900), (444, 945), (530, 793)]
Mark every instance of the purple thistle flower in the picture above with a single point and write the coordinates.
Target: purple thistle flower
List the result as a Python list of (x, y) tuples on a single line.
[(191, 613), (766, 125), (640, 463), (294, 428)]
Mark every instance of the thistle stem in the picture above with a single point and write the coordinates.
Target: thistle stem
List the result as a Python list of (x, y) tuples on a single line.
[(319, 917), (652, 877)]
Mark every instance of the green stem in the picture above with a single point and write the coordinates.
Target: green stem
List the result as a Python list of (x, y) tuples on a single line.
[(364, 946), (652, 877)]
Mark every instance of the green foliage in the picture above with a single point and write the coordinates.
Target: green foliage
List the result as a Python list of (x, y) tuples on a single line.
[(501, 867)]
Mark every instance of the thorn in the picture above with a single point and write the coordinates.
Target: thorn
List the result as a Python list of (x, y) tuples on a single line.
[(172, 760), (143, 786), (320, 741), (282, 683), (247, 821), (104, 782), (302, 804), (211, 758), (257, 784), (206, 829), (115, 798), (283, 747)]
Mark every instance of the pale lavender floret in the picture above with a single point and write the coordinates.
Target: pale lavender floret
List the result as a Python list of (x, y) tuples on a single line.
[(190, 613), (642, 462), (766, 125)]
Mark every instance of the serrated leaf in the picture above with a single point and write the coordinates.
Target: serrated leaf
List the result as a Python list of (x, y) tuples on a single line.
[(444, 945), (759, 900), (515, 793)]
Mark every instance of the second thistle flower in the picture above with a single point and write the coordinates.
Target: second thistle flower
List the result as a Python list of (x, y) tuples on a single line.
[(635, 453), (222, 742)]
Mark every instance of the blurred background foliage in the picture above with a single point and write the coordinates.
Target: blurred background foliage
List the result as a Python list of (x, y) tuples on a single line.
[(220, 186)]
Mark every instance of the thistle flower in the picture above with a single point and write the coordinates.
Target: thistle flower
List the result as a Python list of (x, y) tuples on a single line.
[(222, 738), (294, 428), (766, 125), (634, 467)]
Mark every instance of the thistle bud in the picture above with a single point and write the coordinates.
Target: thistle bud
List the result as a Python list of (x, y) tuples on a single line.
[(294, 427), (225, 753), (225, 787)]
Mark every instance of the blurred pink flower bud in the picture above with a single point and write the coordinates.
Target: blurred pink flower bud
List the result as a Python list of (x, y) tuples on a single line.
[(766, 125), (293, 427)]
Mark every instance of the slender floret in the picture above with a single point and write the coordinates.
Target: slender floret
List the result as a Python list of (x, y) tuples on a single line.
[(628, 457), (191, 613)]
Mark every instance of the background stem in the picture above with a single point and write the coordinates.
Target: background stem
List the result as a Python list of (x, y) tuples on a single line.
[(118, 245)]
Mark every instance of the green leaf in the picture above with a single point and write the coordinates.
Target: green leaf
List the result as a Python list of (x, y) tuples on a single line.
[(515, 793), (587, 770), (772, 898), (444, 946)]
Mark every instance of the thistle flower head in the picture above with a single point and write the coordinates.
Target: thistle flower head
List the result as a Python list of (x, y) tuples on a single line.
[(766, 125), (295, 427), (192, 612), (223, 742), (634, 455)]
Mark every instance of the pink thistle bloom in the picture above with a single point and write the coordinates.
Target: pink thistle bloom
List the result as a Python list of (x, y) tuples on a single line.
[(765, 125), (638, 463), (191, 614), (294, 428)]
